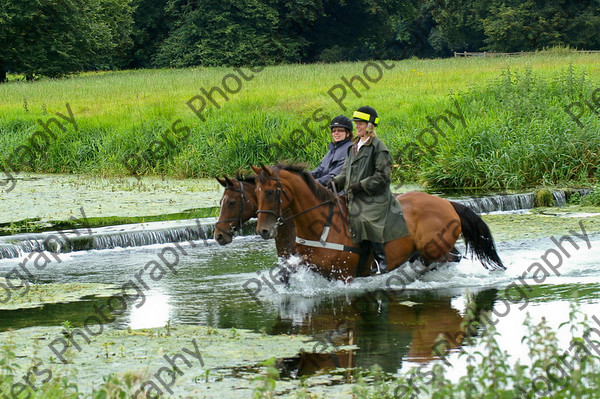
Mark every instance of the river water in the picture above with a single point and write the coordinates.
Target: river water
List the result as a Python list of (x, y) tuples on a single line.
[(383, 320)]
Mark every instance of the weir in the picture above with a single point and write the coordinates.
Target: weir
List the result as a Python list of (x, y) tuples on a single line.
[(140, 234), (130, 235), (512, 202)]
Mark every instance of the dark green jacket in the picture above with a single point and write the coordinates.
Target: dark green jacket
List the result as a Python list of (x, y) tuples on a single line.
[(374, 213)]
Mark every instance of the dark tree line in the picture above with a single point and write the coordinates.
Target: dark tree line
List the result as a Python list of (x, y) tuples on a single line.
[(58, 37)]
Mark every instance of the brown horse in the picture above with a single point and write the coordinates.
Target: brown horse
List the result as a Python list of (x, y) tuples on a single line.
[(323, 238), (238, 205)]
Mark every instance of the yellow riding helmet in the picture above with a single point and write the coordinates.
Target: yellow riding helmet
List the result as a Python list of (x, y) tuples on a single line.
[(366, 114)]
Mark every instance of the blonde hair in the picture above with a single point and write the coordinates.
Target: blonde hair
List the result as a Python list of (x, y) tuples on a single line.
[(370, 131)]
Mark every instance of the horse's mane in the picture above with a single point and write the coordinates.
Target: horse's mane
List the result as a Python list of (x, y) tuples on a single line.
[(246, 179), (315, 187)]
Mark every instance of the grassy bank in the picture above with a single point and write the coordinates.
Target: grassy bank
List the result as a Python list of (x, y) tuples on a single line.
[(509, 129)]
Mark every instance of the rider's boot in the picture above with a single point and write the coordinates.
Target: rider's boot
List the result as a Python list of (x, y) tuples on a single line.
[(379, 257)]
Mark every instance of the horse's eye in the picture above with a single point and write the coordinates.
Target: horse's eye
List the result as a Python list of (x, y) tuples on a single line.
[(270, 193), (232, 202)]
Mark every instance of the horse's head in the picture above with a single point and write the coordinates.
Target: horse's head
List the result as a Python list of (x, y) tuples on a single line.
[(237, 206), (273, 199)]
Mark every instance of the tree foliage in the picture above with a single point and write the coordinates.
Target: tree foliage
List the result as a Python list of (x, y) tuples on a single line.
[(58, 37), (226, 32)]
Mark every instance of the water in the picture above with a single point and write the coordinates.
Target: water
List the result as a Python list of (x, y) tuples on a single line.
[(129, 235), (140, 234), (384, 322)]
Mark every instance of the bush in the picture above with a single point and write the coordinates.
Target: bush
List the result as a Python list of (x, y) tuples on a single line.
[(593, 198)]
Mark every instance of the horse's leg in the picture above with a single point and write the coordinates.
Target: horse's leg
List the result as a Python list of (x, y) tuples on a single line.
[(453, 256), (284, 276), (399, 251), (285, 241)]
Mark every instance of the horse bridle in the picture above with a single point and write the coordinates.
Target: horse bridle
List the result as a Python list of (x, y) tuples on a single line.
[(280, 219), (241, 212), (322, 243)]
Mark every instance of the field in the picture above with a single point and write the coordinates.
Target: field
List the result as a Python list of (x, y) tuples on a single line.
[(506, 123)]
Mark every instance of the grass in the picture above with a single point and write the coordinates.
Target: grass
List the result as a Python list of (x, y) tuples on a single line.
[(517, 133)]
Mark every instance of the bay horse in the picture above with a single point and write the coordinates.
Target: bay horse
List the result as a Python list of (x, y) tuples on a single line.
[(238, 205), (323, 238)]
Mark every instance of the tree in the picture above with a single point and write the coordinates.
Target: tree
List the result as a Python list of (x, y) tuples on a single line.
[(349, 30), (149, 31), (534, 25), (459, 24), (521, 26), (58, 37), (581, 23), (226, 32)]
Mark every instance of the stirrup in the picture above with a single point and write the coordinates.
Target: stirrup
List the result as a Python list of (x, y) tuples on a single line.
[(377, 269)]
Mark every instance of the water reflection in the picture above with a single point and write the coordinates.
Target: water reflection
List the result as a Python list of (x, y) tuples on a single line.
[(385, 327), (51, 315), (156, 312)]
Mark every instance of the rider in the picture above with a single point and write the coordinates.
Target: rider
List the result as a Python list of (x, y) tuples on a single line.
[(375, 215), (332, 162)]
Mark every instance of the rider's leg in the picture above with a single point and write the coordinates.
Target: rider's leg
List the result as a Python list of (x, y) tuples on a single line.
[(379, 257)]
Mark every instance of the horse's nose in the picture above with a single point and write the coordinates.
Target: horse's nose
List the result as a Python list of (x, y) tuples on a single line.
[(219, 238), (264, 233)]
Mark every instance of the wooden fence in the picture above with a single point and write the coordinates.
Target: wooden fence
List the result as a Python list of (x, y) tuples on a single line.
[(492, 54)]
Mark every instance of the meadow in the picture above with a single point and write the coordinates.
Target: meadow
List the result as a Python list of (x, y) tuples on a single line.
[(505, 127)]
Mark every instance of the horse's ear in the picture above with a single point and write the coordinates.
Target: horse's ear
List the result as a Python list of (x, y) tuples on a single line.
[(221, 182), (266, 170), (229, 182), (255, 169)]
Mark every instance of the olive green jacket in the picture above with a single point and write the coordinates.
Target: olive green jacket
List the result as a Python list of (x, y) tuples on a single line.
[(375, 215)]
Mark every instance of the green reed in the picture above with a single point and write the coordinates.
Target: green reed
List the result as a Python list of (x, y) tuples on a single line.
[(517, 133)]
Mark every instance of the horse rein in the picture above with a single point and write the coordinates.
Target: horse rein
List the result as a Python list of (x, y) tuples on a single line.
[(322, 243), (280, 219)]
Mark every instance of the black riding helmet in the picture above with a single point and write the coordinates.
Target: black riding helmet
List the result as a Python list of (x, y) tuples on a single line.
[(366, 114), (341, 121)]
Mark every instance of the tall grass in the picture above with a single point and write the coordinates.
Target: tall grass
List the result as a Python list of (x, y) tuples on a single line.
[(514, 110), (519, 134)]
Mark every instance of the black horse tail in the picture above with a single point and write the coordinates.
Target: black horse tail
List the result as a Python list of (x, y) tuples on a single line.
[(478, 237)]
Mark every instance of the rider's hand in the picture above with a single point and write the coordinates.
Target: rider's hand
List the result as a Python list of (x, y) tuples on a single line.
[(356, 188), (329, 185)]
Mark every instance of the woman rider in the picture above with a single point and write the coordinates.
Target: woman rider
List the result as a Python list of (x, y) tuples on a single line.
[(331, 165), (375, 215)]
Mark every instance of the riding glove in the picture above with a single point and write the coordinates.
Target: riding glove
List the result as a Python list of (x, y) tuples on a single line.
[(356, 188)]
